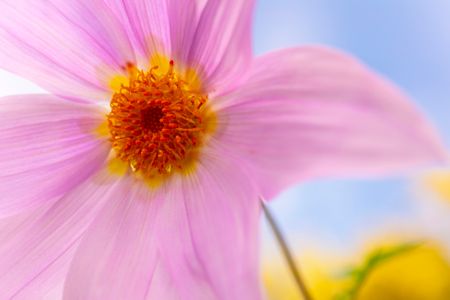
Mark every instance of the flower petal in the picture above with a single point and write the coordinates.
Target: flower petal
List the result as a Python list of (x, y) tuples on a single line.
[(222, 45), (32, 249), (158, 26), (71, 48), (312, 112), (47, 148), (174, 243), (208, 231), (212, 37), (50, 277), (162, 285), (118, 255)]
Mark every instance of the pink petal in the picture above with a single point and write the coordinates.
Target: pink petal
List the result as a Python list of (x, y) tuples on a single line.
[(222, 45), (158, 26), (208, 231), (52, 278), (194, 238), (49, 278), (211, 36), (162, 285), (118, 255), (311, 112), (35, 251), (71, 48), (47, 148)]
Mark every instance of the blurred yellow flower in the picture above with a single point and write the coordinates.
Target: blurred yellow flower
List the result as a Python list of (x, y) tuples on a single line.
[(280, 285), (419, 274), (439, 183), (422, 273)]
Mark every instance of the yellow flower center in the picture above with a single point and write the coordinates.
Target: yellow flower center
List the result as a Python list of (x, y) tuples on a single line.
[(158, 121)]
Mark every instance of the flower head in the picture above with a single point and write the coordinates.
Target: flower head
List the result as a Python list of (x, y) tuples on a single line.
[(140, 175), (157, 122)]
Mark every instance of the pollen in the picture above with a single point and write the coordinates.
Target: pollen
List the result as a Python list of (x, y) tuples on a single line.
[(157, 122)]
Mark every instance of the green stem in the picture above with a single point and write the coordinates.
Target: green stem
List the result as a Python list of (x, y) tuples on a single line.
[(286, 253)]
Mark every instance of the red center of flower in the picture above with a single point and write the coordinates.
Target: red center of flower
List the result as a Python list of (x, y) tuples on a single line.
[(151, 118), (157, 122)]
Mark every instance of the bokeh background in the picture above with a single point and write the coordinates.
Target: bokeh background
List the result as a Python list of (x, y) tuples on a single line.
[(407, 41)]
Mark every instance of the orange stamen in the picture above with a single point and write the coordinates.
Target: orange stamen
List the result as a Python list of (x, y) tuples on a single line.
[(156, 121)]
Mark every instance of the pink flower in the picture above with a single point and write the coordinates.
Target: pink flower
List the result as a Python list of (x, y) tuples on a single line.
[(139, 176)]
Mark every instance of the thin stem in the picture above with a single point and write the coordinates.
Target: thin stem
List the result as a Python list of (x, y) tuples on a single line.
[(286, 252)]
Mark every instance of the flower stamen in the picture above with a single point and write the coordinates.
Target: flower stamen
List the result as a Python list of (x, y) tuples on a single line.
[(157, 121)]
